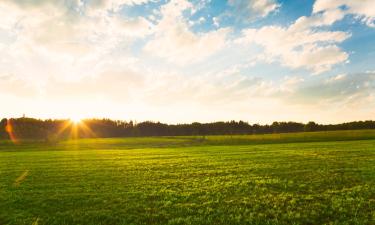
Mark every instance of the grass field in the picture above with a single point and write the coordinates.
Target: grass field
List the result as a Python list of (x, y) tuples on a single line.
[(306, 178)]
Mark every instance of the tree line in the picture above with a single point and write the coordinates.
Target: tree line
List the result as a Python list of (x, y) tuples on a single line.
[(30, 128)]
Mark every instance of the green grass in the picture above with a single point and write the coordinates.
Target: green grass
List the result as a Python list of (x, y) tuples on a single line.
[(305, 178)]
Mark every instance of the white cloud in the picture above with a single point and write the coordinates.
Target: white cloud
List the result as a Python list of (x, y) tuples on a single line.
[(336, 78), (43, 39), (289, 84), (216, 21), (317, 20), (343, 89), (174, 41), (252, 9), (303, 44), (43, 24), (363, 9), (110, 5), (114, 84), (298, 47), (11, 85)]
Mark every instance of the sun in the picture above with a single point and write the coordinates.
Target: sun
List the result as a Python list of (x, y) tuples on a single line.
[(76, 120)]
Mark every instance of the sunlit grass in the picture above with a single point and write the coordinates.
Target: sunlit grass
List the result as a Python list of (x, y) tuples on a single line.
[(190, 180)]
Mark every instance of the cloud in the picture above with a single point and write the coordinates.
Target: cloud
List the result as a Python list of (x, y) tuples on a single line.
[(298, 46), (205, 91), (77, 56), (76, 5), (40, 39), (41, 24), (174, 40), (253, 9), (13, 86), (363, 10), (117, 85), (100, 7), (257, 98), (304, 44), (317, 20), (216, 21), (90, 29), (348, 90), (154, 88)]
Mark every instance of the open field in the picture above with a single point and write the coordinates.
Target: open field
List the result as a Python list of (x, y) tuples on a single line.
[(305, 178)]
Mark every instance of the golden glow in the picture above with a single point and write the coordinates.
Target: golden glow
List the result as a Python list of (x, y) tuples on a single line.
[(10, 130), (73, 128), (78, 128), (76, 120)]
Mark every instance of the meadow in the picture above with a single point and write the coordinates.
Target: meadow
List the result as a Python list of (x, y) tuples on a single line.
[(301, 178)]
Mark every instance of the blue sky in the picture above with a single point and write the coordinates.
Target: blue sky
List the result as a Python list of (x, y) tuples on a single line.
[(189, 60)]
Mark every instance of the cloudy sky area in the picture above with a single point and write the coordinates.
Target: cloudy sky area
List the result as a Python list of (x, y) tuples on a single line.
[(188, 60)]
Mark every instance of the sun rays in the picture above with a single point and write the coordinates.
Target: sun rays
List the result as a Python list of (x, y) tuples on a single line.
[(72, 128), (79, 128), (76, 120)]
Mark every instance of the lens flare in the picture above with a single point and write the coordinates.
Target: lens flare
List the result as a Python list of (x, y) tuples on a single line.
[(80, 128), (76, 120), (10, 130)]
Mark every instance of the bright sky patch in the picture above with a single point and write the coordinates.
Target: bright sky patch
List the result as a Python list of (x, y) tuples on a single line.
[(183, 61)]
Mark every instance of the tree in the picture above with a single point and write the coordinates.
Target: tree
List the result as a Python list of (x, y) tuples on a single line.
[(311, 126)]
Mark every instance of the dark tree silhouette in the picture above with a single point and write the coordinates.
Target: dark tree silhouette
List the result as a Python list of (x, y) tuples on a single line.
[(53, 130)]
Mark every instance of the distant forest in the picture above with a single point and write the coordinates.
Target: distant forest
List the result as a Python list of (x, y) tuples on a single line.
[(30, 128)]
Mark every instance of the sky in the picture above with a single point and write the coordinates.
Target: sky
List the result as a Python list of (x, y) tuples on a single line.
[(179, 61)]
